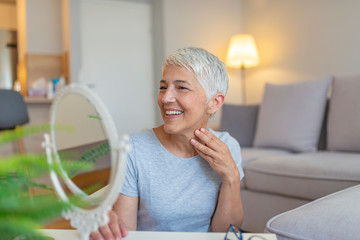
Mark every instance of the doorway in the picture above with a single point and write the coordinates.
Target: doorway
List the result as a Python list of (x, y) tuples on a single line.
[(117, 59), (8, 58)]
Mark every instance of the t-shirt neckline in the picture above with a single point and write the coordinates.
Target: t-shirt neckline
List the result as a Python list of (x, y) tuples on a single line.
[(167, 151)]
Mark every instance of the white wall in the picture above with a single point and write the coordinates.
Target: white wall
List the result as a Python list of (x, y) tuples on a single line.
[(301, 40), (71, 14), (201, 23)]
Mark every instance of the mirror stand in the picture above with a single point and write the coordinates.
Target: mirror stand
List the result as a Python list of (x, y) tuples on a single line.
[(90, 218)]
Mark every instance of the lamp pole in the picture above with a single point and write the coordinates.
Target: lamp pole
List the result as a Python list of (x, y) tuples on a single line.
[(243, 84)]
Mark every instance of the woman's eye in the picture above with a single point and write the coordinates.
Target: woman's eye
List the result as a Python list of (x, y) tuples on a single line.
[(162, 88), (183, 88)]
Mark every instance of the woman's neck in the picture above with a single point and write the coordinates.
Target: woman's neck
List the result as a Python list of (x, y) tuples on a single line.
[(177, 144)]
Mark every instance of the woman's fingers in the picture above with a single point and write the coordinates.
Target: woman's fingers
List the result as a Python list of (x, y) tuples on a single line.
[(210, 145), (208, 139), (123, 229), (202, 149), (115, 229), (114, 225), (96, 236), (106, 232)]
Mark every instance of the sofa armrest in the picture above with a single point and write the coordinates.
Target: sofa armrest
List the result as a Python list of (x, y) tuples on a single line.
[(335, 216), (240, 121)]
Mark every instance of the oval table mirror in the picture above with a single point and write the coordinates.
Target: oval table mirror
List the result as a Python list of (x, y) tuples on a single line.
[(82, 131)]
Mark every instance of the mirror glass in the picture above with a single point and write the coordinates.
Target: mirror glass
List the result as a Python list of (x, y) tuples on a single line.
[(80, 136)]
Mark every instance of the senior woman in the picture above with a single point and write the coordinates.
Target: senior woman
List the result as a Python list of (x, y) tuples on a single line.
[(182, 176)]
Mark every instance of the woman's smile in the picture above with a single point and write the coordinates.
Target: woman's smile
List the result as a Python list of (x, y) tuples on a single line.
[(170, 114)]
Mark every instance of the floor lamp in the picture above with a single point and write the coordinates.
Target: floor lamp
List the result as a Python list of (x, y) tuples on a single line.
[(242, 53)]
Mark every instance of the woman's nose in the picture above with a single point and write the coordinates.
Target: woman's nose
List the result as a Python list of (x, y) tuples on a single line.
[(168, 96)]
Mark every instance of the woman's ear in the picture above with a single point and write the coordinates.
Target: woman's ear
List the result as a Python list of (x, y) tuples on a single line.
[(215, 103)]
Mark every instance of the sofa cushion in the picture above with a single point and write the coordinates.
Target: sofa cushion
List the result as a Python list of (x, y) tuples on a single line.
[(240, 122), (290, 116), (250, 154), (344, 114), (336, 216), (308, 175)]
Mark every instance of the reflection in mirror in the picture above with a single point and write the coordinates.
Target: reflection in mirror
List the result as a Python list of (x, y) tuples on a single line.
[(81, 137)]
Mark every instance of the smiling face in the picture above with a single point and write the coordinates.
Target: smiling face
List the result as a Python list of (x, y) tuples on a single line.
[(182, 101)]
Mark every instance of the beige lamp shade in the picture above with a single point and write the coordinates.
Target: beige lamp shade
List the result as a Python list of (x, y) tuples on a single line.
[(242, 52)]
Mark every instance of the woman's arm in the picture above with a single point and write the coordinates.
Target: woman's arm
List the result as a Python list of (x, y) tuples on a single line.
[(229, 207), (126, 208)]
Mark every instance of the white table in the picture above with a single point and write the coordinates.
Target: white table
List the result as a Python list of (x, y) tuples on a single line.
[(58, 234)]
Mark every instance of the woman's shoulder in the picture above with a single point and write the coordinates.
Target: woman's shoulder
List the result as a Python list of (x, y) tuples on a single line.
[(143, 136), (142, 143)]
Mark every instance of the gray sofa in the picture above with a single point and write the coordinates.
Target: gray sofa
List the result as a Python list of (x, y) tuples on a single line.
[(297, 146)]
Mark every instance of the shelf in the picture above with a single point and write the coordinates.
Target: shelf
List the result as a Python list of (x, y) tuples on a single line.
[(38, 100)]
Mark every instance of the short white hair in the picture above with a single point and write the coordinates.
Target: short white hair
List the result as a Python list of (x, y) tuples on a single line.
[(210, 72)]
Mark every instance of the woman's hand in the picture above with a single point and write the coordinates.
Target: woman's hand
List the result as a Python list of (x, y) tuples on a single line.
[(216, 153), (114, 230)]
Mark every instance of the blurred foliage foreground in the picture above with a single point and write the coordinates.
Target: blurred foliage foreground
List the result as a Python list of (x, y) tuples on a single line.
[(22, 213)]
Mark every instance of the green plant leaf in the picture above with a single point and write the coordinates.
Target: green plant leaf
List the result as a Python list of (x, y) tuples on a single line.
[(20, 213)]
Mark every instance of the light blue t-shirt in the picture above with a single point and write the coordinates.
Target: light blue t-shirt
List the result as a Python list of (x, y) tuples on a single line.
[(175, 194)]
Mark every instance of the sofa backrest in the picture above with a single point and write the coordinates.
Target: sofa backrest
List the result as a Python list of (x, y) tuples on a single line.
[(340, 129), (240, 121), (343, 129)]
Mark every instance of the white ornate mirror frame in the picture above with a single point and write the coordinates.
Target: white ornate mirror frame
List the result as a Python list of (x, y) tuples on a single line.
[(88, 220)]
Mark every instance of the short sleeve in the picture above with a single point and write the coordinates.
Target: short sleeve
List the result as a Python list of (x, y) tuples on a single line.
[(235, 151), (130, 186)]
